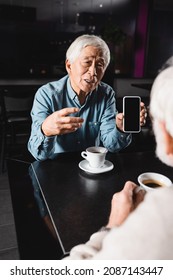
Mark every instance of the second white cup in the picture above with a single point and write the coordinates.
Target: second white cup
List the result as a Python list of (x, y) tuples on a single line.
[(151, 181), (95, 156)]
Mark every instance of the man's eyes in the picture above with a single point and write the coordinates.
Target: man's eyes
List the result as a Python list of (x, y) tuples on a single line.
[(87, 62), (98, 64)]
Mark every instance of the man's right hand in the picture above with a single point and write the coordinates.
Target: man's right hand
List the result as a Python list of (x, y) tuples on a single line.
[(60, 122), (124, 202)]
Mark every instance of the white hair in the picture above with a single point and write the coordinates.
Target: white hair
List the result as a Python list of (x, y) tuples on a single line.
[(88, 40), (161, 103)]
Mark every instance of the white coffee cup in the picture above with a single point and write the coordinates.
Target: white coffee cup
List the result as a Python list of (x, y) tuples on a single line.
[(152, 181), (95, 156)]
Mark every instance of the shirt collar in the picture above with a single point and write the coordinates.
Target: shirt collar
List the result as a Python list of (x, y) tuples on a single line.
[(72, 93)]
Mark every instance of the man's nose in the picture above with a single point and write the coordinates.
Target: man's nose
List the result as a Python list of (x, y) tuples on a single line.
[(92, 70)]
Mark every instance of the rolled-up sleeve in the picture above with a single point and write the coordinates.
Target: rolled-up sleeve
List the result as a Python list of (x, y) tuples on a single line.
[(40, 146)]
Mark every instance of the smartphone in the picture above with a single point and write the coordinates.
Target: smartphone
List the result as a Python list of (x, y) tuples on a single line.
[(131, 112)]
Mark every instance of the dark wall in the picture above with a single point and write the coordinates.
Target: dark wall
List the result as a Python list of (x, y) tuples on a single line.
[(31, 48), (160, 46)]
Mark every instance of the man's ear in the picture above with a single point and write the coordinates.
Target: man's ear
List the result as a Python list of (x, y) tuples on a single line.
[(68, 66), (168, 139)]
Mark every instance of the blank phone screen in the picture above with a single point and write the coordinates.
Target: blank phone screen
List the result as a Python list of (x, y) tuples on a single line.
[(131, 110)]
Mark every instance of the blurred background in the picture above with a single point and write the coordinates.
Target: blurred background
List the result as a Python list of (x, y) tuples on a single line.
[(35, 34), (34, 37)]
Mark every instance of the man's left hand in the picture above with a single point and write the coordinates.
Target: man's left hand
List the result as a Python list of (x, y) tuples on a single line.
[(143, 116)]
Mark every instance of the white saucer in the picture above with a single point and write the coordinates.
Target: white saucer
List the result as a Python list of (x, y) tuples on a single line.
[(84, 165)]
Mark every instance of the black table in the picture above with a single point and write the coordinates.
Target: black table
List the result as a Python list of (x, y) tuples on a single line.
[(35, 240), (79, 202)]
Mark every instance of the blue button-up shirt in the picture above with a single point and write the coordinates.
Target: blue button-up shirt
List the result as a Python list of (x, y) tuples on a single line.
[(98, 129)]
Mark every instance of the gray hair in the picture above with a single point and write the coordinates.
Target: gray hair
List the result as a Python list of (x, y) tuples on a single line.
[(161, 103), (168, 63), (88, 40)]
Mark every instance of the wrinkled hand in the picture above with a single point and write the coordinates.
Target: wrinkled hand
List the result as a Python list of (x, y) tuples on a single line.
[(143, 116), (119, 121), (60, 122), (124, 202)]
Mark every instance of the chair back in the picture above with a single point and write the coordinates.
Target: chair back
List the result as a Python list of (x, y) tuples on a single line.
[(16, 101), (15, 120)]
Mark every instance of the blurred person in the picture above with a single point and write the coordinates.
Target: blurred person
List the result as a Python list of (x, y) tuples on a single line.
[(166, 64), (78, 110), (140, 225)]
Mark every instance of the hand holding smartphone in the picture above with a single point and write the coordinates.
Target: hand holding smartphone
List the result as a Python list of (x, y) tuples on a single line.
[(131, 112)]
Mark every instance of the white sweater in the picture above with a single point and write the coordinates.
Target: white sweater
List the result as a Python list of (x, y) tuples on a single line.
[(146, 234)]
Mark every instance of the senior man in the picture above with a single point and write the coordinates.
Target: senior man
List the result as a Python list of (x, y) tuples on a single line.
[(78, 110), (141, 230)]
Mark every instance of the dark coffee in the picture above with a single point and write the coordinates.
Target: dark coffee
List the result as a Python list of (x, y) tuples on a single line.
[(152, 183)]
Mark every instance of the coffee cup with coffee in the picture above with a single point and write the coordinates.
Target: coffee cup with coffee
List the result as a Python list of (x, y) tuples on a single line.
[(151, 181), (95, 156)]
